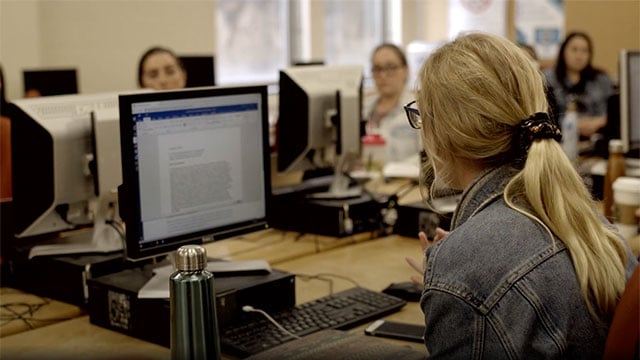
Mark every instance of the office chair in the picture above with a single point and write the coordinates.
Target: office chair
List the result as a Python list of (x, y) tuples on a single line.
[(623, 340)]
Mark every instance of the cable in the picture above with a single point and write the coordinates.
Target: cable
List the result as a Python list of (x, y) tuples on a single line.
[(248, 308), (323, 277), (262, 244), (339, 277), (112, 223), (409, 187), (304, 277), (25, 311)]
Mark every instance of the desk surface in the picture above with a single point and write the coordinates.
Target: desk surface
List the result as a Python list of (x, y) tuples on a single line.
[(373, 264), (21, 311), (277, 246)]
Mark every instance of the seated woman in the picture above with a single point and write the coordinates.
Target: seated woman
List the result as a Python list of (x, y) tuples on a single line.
[(530, 267), (574, 79), (383, 111), (160, 69)]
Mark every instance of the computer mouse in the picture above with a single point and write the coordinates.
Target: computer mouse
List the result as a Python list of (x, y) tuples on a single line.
[(407, 290)]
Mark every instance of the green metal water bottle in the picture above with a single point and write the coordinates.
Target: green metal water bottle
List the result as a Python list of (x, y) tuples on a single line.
[(194, 326)]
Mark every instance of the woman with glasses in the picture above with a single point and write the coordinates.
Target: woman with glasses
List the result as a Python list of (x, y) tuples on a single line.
[(530, 268), (383, 111)]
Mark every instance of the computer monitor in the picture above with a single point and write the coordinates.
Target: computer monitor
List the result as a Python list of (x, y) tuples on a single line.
[(48, 82), (320, 111), (200, 70), (195, 166), (629, 84), (53, 187)]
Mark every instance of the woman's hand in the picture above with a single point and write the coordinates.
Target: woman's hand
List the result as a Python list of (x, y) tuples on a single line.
[(425, 243), (589, 125)]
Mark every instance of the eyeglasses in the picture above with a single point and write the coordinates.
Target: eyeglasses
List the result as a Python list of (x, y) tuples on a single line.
[(387, 69), (413, 115)]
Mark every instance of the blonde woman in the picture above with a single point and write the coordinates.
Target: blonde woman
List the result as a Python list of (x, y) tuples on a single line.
[(530, 268)]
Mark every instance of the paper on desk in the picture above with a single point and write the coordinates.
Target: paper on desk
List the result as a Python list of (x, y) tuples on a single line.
[(446, 204), (401, 169), (158, 286)]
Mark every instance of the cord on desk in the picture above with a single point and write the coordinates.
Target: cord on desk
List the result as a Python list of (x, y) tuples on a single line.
[(248, 308), (27, 314), (323, 277), (404, 189), (262, 244)]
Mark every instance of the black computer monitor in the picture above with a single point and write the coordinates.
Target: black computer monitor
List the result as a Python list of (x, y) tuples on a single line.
[(195, 167), (53, 187), (629, 84), (320, 111), (48, 82), (200, 70)]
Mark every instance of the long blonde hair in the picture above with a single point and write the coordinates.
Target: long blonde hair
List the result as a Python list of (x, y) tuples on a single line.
[(474, 93)]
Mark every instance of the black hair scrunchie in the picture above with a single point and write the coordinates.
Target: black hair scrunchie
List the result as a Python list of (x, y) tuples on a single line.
[(536, 127)]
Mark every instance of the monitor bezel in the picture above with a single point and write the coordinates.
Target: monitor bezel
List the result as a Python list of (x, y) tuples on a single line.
[(626, 118), (128, 192), (51, 81)]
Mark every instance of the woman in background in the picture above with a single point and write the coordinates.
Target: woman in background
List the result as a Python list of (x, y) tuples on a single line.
[(530, 269), (160, 69), (383, 111), (574, 79)]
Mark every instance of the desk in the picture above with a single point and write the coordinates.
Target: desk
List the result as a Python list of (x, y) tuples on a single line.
[(277, 246), (373, 264), (22, 311)]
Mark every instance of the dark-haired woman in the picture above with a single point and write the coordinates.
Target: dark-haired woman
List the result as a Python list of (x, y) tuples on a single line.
[(575, 79)]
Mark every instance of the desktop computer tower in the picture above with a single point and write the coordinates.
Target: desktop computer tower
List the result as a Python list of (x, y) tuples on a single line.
[(114, 302), (293, 209), (63, 277)]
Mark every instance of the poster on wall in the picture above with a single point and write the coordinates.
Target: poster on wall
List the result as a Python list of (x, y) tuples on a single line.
[(540, 24), (477, 15)]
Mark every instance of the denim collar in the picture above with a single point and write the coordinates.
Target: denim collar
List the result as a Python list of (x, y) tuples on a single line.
[(483, 190)]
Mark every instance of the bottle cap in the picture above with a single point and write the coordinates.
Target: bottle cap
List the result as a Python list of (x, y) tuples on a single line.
[(616, 146), (571, 106), (191, 258)]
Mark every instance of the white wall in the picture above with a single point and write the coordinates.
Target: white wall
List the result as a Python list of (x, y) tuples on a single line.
[(103, 39), (19, 41)]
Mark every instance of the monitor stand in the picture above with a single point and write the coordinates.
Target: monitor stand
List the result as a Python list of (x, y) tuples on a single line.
[(102, 238), (341, 187)]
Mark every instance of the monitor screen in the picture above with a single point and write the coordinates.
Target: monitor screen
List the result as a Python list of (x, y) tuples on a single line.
[(200, 70), (47, 82), (195, 167), (53, 188), (320, 111), (629, 104)]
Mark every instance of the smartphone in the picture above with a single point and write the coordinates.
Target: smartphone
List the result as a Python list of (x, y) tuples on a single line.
[(396, 330)]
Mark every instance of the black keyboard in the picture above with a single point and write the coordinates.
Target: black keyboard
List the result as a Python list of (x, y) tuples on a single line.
[(341, 310)]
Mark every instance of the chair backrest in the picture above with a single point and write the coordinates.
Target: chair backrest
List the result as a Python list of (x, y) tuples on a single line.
[(623, 340)]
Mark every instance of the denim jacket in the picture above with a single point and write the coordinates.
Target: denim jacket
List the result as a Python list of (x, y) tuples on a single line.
[(498, 287)]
